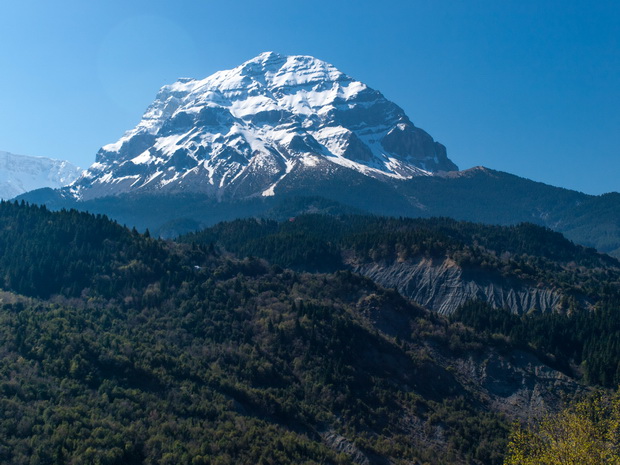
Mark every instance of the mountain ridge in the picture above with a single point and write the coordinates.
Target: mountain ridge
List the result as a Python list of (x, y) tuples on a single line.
[(439, 263), (472, 195), (22, 173), (243, 141)]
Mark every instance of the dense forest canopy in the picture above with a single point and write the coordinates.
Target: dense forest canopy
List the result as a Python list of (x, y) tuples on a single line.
[(252, 342)]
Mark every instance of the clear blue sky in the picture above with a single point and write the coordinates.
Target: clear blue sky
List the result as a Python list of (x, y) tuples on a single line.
[(528, 87)]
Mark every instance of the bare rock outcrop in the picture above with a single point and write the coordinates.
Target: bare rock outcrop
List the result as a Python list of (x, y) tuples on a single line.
[(442, 286)]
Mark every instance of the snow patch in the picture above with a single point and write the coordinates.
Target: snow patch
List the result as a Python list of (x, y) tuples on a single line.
[(144, 158)]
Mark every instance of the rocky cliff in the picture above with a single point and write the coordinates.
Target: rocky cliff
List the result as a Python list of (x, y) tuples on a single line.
[(441, 285)]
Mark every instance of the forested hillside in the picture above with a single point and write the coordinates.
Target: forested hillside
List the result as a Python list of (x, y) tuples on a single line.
[(327, 243), (386, 237), (118, 348), (582, 337)]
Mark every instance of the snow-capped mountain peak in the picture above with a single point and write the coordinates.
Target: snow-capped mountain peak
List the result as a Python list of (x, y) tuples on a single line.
[(22, 173), (239, 132)]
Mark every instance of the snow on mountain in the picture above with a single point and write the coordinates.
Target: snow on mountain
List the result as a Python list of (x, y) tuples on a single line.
[(22, 173), (240, 132)]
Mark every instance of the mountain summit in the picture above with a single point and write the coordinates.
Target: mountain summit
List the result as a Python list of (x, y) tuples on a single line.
[(239, 133)]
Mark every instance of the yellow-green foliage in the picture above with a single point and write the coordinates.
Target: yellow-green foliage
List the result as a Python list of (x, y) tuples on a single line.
[(586, 433)]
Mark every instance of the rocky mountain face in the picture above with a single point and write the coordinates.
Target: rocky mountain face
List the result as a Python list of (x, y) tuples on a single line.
[(443, 286), (241, 133), (21, 173)]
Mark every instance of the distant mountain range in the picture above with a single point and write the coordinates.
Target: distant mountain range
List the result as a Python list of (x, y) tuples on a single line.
[(258, 139), (22, 173)]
